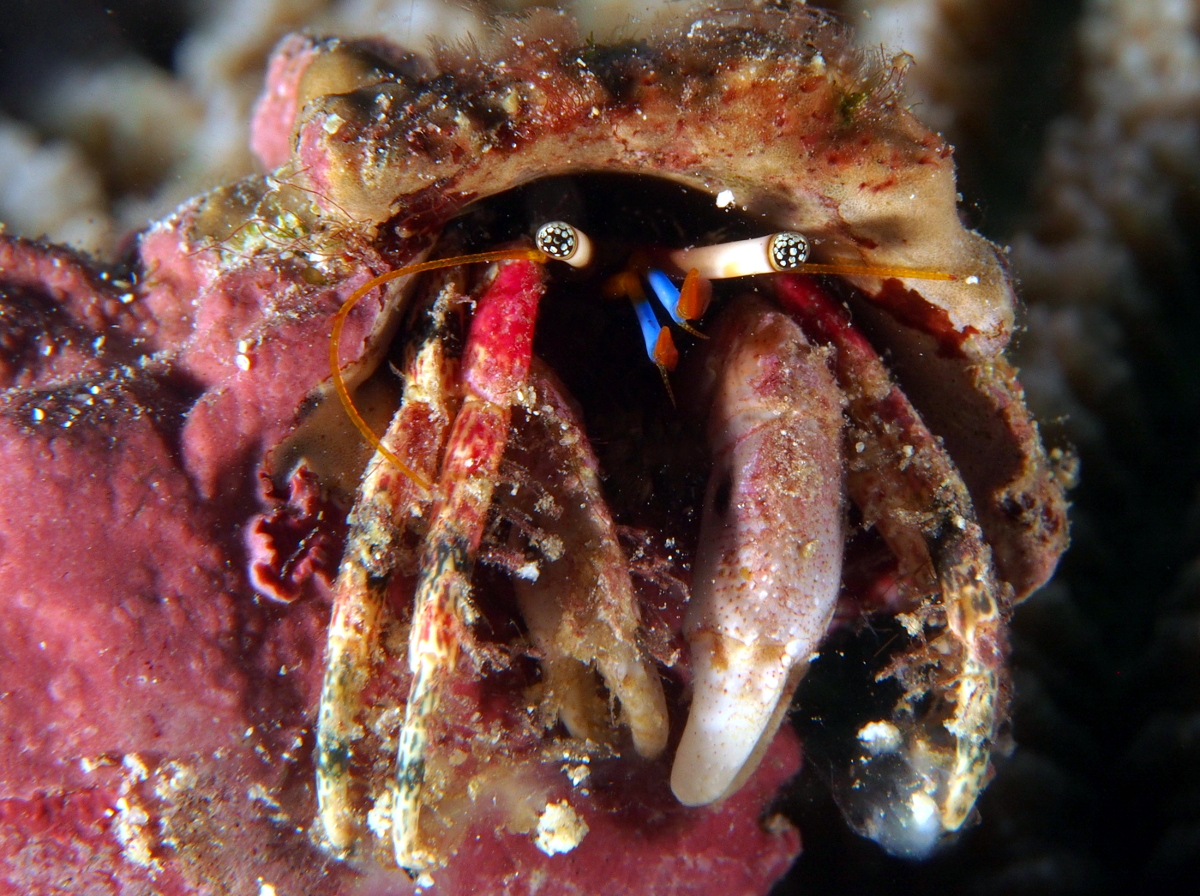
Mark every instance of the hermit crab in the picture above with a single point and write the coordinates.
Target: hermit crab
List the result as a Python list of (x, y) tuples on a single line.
[(729, 150), (683, 381)]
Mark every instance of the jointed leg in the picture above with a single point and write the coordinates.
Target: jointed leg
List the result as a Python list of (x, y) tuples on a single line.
[(495, 366), (387, 500)]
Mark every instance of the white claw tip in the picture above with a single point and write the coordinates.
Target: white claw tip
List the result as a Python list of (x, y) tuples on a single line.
[(737, 690)]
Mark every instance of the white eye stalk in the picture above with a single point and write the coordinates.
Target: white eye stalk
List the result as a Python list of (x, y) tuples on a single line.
[(562, 242), (771, 254)]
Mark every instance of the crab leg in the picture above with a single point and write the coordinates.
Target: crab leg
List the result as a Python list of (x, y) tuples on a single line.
[(769, 559), (386, 500), (580, 604), (495, 365), (913, 782)]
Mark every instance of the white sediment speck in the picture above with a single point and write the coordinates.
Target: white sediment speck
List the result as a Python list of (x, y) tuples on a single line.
[(333, 124), (725, 199), (973, 280), (242, 361), (379, 818), (134, 765), (528, 571), (266, 889), (173, 779), (577, 774), (259, 794), (560, 829), (131, 830), (912, 623), (880, 737)]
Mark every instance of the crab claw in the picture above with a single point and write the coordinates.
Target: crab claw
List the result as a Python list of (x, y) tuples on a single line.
[(769, 559), (579, 603)]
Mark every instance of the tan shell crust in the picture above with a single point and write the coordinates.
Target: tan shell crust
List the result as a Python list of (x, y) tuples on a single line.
[(772, 104)]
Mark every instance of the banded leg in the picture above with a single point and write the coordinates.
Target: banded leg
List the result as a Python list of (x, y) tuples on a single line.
[(495, 366), (387, 500), (951, 671)]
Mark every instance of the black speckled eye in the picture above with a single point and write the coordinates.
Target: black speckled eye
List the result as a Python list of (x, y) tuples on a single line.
[(558, 240), (788, 250)]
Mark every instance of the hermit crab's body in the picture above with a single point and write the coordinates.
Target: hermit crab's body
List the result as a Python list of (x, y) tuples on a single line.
[(817, 454)]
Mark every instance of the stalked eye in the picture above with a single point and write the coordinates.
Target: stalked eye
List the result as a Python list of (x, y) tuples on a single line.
[(563, 242), (779, 253), (773, 253), (787, 250), (742, 258)]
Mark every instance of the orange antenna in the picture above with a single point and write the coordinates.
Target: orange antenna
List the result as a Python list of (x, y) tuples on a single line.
[(339, 321), (860, 270)]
